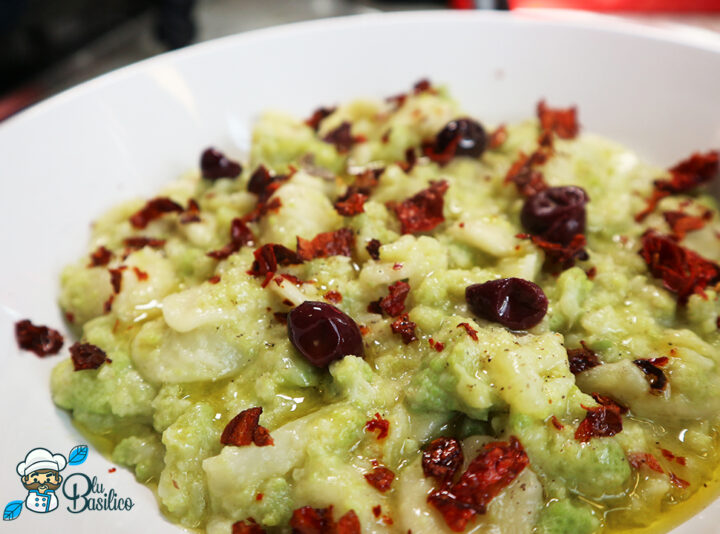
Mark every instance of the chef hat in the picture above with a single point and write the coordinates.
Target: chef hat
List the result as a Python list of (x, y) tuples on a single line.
[(41, 459)]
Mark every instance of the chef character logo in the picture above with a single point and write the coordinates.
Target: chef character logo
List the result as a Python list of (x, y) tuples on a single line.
[(40, 474)]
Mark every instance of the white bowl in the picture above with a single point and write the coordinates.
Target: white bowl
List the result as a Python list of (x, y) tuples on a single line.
[(65, 161)]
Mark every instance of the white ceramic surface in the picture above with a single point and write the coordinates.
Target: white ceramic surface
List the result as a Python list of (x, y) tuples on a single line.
[(66, 160)]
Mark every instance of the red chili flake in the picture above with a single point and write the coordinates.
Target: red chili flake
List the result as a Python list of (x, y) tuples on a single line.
[(243, 429), (653, 374), (41, 340), (436, 345), (191, 213), (308, 520), (388, 520), (240, 235), (373, 248), (380, 478), (423, 211), (405, 327), (422, 86), (140, 274), (681, 270), (498, 137), (601, 421), (660, 361), (87, 356), (494, 468), (397, 266), (137, 243), (154, 209), (116, 278), (442, 459), (563, 256), (681, 223), (319, 115), (393, 304), (377, 510), (582, 359), (351, 203), (638, 459), (337, 243), (527, 180), (107, 305), (294, 279), (269, 257), (562, 122), (100, 257), (214, 279), (470, 330), (364, 330), (379, 424), (556, 423), (367, 180), (591, 273), (678, 482), (251, 527), (280, 317), (70, 317), (259, 497), (341, 137), (333, 296), (112, 470), (685, 176)]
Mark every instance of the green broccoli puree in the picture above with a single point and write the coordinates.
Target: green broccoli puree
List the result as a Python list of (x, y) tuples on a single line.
[(195, 340)]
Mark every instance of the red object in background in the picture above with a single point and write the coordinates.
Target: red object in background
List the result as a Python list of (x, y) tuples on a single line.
[(624, 5)]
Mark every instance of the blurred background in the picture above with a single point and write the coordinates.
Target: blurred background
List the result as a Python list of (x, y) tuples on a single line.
[(49, 45)]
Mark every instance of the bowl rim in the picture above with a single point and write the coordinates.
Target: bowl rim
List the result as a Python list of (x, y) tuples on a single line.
[(678, 34)]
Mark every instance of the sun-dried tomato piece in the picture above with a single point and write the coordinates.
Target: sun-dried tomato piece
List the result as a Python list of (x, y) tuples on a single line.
[(100, 257), (681, 223), (380, 478), (600, 421), (527, 180), (492, 470), (319, 115), (215, 165), (338, 243), (681, 270), (393, 304), (470, 330), (308, 520), (685, 176), (351, 203), (87, 356), (422, 86), (240, 236), (154, 209), (251, 527), (243, 429), (640, 459), (405, 327), (653, 374), (582, 359), (423, 211), (269, 257), (562, 256), (678, 482), (373, 248), (263, 184), (442, 459), (562, 122), (497, 137), (138, 242), (116, 278), (41, 340), (604, 400), (261, 209), (191, 213), (342, 138), (380, 424)]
